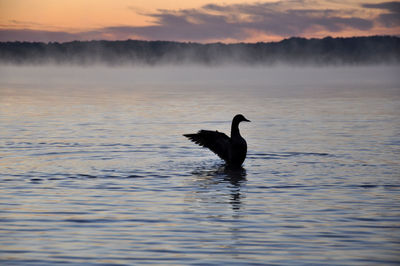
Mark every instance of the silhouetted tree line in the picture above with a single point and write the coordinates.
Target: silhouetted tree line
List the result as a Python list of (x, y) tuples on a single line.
[(300, 51)]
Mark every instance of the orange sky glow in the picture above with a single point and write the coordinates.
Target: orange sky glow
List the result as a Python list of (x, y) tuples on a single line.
[(194, 20)]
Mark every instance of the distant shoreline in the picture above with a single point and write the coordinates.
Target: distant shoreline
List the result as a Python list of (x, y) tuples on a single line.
[(373, 50)]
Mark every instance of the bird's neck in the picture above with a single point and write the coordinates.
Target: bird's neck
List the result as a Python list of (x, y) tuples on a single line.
[(235, 129)]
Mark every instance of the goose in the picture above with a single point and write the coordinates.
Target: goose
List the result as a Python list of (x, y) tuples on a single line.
[(232, 149)]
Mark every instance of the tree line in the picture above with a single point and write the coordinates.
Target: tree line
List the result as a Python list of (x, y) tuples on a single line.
[(297, 51)]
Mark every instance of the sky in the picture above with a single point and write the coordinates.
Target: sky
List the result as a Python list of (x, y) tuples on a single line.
[(195, 20)]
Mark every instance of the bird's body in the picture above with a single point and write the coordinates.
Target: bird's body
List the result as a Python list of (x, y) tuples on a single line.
[(232, 149)]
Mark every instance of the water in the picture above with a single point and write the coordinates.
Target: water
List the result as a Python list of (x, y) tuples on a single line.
[(95, 170)]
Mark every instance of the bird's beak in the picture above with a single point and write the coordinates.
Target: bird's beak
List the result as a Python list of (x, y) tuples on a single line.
[(246, 120)]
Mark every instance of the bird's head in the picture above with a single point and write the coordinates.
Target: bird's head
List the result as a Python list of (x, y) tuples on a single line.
[(240, 118)]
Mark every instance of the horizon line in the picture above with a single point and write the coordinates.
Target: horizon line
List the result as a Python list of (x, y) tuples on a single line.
[(207, 43)]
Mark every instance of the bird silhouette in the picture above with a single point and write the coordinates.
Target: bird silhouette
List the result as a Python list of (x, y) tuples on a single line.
[(232, 149)]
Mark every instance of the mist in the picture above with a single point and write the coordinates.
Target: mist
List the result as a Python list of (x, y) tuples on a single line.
[(229, 81), (375, 50)]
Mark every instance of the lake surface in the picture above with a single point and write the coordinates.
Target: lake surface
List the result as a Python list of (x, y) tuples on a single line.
[(95, 170)]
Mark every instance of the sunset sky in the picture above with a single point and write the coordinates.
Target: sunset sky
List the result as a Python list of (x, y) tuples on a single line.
[(194, 20)]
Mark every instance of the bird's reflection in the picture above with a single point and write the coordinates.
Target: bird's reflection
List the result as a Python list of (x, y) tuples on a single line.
[(235, 177), (207, 177), (214, 188)]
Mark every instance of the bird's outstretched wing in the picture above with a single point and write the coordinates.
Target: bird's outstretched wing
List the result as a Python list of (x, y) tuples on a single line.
[(217, 142)]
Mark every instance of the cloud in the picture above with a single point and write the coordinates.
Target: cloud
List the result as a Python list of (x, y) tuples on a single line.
[(390, 19), (240, 21), (36, 35), (237, 22), (393, 7)]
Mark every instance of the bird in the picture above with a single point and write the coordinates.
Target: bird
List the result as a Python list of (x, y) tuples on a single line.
[(232, 149)]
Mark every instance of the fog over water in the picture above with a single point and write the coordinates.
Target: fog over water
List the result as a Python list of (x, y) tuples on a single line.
[(269, 81), (94, 168)]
